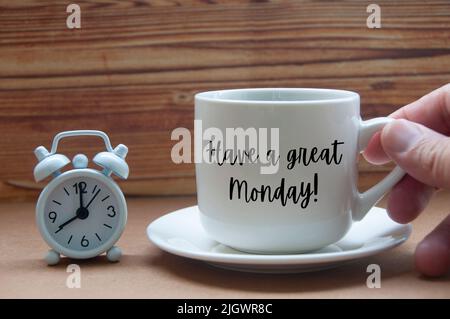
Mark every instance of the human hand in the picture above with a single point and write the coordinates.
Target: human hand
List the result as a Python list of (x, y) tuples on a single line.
[(419, 143)]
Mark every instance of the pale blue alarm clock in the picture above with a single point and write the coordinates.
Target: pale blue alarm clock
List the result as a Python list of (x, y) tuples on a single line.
[(82, 212)]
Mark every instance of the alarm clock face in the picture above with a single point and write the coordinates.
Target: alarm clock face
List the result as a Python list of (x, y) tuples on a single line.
[(81, 213)]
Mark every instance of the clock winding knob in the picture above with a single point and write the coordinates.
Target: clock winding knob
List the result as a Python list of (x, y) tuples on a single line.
[(121, 150), (41, 152), (80, 161)]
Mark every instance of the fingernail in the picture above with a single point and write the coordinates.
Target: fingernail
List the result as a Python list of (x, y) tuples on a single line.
[(400, 136)]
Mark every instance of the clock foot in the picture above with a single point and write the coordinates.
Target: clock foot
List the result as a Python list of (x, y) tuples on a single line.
[(114, 254), (52, 257)]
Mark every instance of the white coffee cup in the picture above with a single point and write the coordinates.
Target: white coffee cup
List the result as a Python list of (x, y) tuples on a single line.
[(326, 120)]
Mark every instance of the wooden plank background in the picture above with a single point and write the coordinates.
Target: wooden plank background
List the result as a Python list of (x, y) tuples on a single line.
[(134, 66)]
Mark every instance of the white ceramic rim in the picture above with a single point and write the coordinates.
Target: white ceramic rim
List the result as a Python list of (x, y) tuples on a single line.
[(214, 96), (298, 259)]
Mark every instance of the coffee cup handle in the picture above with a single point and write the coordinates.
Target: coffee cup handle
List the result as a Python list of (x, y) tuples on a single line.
[(365, 201)]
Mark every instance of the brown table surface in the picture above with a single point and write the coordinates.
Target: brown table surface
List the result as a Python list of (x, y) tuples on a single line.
[(147, 272)]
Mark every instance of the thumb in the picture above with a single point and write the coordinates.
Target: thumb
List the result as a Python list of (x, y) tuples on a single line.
[(421, 152)]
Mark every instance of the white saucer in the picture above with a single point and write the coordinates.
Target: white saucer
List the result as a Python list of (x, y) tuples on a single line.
[(181, 233)]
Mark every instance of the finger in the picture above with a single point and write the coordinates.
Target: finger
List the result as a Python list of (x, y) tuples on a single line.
[(374, 152), (421, 152), (408, 199), (432, 111), (432, 255)]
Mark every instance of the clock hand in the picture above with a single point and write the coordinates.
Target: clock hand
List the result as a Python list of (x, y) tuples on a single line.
[(81, 189), (81, 199), (92, 199), (60, 227)]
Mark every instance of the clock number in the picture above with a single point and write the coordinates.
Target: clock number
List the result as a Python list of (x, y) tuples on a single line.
[(113, 211), (52, 216), (81, 186), (84, 241)]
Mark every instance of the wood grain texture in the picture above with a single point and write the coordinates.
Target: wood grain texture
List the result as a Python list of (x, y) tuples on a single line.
[(134, 66)]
